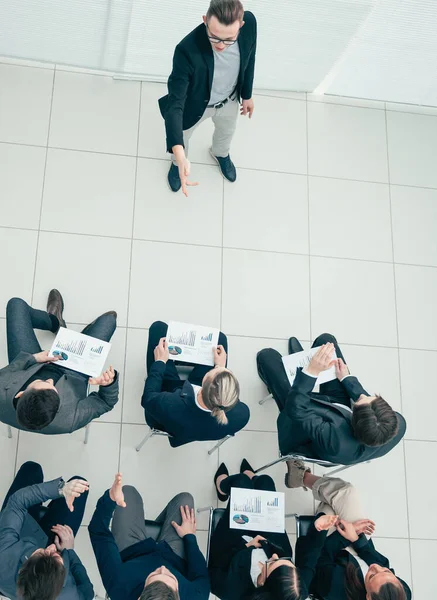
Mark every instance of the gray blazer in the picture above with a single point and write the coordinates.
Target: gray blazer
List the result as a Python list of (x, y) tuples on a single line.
[(76, 408), (20, 536)]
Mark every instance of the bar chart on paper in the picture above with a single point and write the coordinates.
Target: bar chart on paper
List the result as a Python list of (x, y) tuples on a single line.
[(257, 510), (80, 352), (253, 505), (191, 343)]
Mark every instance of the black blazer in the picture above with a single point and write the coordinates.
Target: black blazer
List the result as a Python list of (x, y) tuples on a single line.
[(230, 559), (328, 582), (177, 413), (190, 82), (311, 425)]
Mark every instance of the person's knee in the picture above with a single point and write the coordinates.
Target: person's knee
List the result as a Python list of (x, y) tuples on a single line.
[(265, 482), (325, 338), (184, 499), (267, 356), (158, 326), (130, 490), (34, 467), (14, 303)]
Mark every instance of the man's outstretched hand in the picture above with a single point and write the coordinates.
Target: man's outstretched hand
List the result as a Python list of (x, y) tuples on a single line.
[(116, 491)]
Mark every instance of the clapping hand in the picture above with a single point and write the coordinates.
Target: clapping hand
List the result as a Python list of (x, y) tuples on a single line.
[(106, 378), (347, 530), (64, 538), (73, 489), (322, 360), (341, 369), (219, 356), (116, 491), (364, 526), (161, 351), (256, 542), (325, 522), (188, 522)]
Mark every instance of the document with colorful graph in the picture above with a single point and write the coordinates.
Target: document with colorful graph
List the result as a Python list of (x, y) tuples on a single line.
[(293, 362), (257, 510), (80, 352), (192, 343)]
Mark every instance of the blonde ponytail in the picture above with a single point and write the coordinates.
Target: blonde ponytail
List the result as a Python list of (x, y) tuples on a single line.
[(220, 394)]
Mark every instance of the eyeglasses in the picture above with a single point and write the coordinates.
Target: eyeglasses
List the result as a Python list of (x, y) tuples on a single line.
[(273, 560), (215, 40)]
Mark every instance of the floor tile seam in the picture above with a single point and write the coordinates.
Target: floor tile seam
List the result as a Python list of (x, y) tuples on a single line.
[(197, 245), (208, 164), (130, 274), (43, 188)]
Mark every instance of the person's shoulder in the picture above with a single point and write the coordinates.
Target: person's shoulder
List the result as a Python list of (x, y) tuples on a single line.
[(191, 40)]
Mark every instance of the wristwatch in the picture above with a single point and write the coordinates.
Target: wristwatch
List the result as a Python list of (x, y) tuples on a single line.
[(61, 487)]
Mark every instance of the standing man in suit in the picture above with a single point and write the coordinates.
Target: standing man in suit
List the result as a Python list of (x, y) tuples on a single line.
[(134, 565), (343, 423), (213, 69), (37, 557), (35, 393)]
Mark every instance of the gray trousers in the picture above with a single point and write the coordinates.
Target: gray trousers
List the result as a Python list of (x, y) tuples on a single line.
[(128, 526), (225, 123)]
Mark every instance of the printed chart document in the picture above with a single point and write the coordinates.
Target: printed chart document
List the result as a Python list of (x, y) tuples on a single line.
[(191, 343), (80, 352), (258, 510), (302, 359)]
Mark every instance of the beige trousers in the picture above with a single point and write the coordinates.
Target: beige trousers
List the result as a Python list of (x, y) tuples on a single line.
[(338, 497), (225, 123)]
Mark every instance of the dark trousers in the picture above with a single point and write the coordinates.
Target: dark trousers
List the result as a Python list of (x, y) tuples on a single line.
[(271, 371), (224, 537), (172, 381), (22, 319), (57, 512)]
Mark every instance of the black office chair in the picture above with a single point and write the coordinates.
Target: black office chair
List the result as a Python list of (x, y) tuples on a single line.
[(215, 514)]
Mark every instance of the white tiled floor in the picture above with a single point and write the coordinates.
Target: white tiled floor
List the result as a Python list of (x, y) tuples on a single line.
[(329, 193)]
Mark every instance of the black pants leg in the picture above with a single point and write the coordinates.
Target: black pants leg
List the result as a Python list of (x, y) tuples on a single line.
[(102, 328), (198, 373), (271, 371), (29, 473), (21, 320), (333, 388), (172, 381), (58, 513)]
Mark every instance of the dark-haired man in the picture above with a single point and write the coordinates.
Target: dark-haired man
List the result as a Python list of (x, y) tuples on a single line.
[(213, 69), (137, 562), (37, 557), (343, 423), (35, 393)]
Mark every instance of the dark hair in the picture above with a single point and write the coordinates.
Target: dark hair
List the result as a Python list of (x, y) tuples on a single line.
[(158, 590), (282, 584), (37, 408), (355, 589), (220, 393), (40, 578), (225, 11), (375, 423)]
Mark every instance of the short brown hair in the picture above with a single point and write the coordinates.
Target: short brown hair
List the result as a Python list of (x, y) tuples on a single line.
[(220, 394), (158, 590), (225, 11), (41, 577), (375, 423)]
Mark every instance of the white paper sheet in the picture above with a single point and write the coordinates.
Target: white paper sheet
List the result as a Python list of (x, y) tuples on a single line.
[(80, 352), (302, 359), (257, 510), (191, 343)]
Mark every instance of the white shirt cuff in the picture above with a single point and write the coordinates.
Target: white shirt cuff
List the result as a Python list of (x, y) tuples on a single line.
[(346, 377), (309, 374)]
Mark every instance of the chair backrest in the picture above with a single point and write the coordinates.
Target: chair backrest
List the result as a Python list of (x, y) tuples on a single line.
[(303, 523), (215, 514)]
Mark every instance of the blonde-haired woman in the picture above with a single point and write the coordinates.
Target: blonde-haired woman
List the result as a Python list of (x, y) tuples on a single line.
[(204, 407)]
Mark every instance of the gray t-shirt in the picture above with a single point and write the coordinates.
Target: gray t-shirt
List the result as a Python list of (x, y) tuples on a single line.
[(226, 70)]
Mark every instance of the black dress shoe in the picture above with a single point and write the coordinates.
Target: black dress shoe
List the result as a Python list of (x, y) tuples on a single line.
[(294, 345), (245, 466), (222, 470), (227, 167), (174, 181), (55, 306)]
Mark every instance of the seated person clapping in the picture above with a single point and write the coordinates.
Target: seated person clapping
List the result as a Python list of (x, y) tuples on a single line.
[(349, 567), (204, 407), (132, 565), (247, 564)]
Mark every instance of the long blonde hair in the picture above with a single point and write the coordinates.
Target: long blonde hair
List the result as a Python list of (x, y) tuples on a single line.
[(220, 393)]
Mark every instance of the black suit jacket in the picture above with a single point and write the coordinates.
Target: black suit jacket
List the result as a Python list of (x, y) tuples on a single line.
[(311, 425), (177, 413), (230, 559), (190, 82), (328, 582)]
